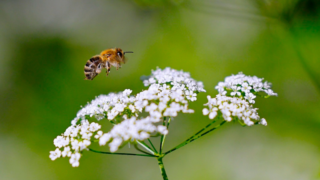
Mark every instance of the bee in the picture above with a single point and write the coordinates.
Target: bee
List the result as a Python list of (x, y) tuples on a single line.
[(106, 59)]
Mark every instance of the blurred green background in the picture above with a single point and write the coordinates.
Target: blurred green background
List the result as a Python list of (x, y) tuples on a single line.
[(44, 45)]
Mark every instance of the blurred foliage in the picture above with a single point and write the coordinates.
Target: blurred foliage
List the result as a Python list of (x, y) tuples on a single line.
[(45, 44), (290, 11)]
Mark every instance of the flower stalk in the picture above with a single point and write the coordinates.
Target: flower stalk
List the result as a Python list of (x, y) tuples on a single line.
[(127, 154), (145, 146), (163, 137), (155, 150), (162, 170), (196, 136)]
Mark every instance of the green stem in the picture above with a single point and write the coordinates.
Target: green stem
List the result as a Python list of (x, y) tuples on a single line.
[(130, 154), (155, 150), (194, 137), (113, 123), (145, 146), (184, 142), (216, 127), (168, 124), (162, 136), (162, 170), (207, 126)]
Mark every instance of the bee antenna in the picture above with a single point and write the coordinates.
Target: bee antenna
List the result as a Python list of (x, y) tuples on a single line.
[(127, 52)]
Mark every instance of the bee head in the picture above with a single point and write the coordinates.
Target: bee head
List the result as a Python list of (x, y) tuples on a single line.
[(120, 54), (117, 52)]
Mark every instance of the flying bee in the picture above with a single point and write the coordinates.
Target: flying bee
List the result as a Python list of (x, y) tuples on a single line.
[(106, 59)]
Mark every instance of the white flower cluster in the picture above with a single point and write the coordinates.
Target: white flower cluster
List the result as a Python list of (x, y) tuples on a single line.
[(179, 80), (244, 86), (75, 139), (108, 106), (162, 100), (236, 98), (233, 108), (130, 129), (169, 93)]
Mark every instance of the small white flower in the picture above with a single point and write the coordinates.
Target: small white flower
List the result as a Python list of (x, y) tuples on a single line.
[(114, 145), (155, 115), (212, 113), (205, 111), (236, 91), (112, 114), (132, 108), (72, 131), (74, 159), (86, 135), (60, 141), (55, 154), (104, 139), (191, 96), (151, 107), (270, 92), (221, 87), (94, 127), (66, 152), (75, 144), (119, 107), (263, 122), (248, 122), (170, 112), (245, 87), (84, 144), (98, 135), (251, 98), (163, 130), (127, 92)]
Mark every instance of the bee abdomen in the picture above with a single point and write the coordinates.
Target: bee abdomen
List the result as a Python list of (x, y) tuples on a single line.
[(90, 69)]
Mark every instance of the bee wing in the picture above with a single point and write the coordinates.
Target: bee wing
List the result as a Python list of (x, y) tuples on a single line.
[(93, 67)]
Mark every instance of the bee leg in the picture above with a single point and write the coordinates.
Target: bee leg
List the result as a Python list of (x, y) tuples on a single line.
[(108, 67), (98, 70)]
